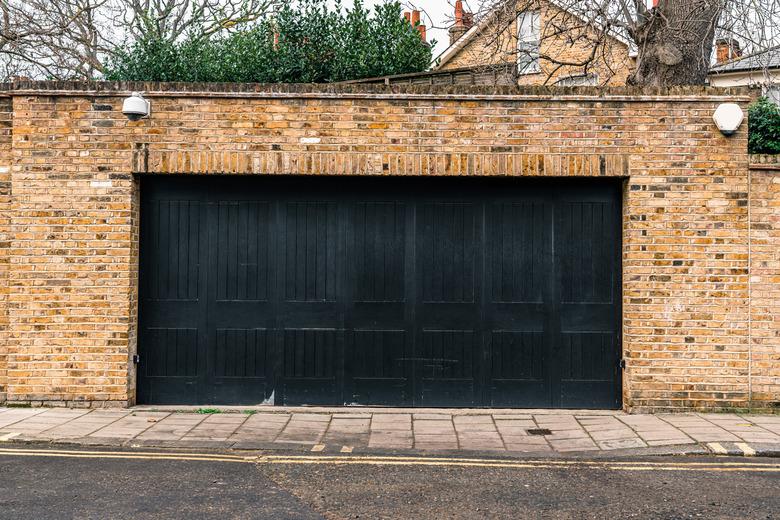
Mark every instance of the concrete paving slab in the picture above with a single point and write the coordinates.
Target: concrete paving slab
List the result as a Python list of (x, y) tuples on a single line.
[(311, 417), (15, 415), (130, 425), (538, 440), (172, 427), (84, 425), (400, 444), (564, 445), (471, 427), (616, 444), (396, 429), (351, 416)]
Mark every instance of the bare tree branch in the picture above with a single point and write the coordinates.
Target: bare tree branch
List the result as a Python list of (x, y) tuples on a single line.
[(666, 44), (71, 39)]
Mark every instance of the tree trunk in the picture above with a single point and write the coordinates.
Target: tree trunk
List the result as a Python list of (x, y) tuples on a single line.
[(675, 43)]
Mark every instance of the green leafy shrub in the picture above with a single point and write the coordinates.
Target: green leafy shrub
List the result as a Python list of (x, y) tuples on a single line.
[(303, 42), (764, 127)]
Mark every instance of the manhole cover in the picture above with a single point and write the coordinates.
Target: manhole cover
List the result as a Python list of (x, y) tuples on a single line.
[(539, 431)]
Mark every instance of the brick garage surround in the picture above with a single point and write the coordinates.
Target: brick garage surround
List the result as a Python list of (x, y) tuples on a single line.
[(78, 164)]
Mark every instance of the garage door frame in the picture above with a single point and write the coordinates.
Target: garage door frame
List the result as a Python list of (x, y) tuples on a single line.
[(342, 386)]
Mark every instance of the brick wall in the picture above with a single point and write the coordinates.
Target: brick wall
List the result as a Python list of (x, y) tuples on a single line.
[(765, 280), (74, 215), (496, 43), (70, 289), (5, 202)]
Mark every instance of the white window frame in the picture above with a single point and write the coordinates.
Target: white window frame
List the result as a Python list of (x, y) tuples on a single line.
[(528, 41)]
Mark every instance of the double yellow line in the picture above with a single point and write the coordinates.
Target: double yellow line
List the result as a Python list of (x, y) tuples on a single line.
[(370, 460), (665, 465), (136, 455)]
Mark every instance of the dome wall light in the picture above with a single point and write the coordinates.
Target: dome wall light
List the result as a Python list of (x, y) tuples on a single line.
[(136, 107), (728, 117)]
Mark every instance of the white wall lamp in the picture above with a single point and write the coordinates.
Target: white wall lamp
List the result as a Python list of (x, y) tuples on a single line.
[(728, 117), (136, 107)]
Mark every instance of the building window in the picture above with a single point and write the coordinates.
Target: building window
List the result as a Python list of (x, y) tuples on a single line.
[(579, 80), (528, 42)]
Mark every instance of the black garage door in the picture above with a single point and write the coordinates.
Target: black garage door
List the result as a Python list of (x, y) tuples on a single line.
[(379, 291)]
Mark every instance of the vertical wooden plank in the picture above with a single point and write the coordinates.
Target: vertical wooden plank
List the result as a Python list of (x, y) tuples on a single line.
[(301, 251), (173, 250), (182, 239), (222, 251), (194, 250), (290, 263), (163, 241), (301, 340), (359, 258), (317, 237), (231, 277), (587, 238), (333, 279)]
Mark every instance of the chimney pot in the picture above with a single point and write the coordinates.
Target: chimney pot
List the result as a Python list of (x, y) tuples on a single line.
[(463, 22), (459, 12), (414, 19)]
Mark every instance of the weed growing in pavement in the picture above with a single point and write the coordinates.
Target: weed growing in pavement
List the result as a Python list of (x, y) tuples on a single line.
[(208, 410)]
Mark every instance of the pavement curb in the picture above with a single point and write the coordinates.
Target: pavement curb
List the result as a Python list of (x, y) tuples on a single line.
[(726, 449)]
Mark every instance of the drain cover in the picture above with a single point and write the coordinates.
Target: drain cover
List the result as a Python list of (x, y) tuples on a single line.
[(539, 431)]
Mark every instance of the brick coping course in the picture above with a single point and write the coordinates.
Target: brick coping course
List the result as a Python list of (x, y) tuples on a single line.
[(182, 89)]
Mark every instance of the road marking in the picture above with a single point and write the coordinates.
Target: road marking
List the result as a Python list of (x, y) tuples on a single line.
[(404, 461), (8, 436), (125, 454), (318, 447), (346, 449), (128, 456), (606, 466), (747, 450), (716, 447), (581, 464)]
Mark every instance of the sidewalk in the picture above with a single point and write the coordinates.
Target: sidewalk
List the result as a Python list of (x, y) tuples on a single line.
[(344, 430)]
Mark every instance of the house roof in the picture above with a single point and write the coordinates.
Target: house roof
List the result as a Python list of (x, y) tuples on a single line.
[(485, 20), (767, 59)]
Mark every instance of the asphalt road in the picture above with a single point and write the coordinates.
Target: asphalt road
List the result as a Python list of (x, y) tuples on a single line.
[(43, 487)]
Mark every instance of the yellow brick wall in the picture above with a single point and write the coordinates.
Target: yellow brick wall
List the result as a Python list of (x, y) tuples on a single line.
[(72, 294), (71, 251), (765, 281), (497, 43), (5, 202)]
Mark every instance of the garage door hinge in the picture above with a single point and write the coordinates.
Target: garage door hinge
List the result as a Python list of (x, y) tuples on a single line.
[(622, 363), (136, 359)]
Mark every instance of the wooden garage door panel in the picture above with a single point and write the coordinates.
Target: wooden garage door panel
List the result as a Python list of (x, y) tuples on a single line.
[(242, 250), (379, 291), (378, 251)]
